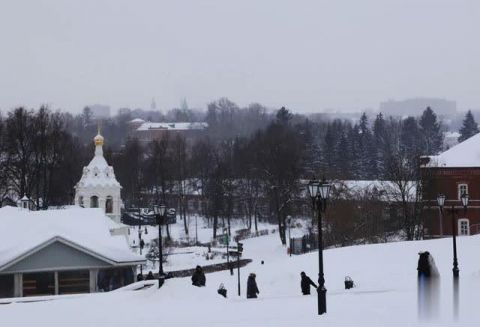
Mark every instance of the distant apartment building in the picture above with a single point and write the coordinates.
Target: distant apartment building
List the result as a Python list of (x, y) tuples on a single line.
[(99, 111), (415, 107), (124, 111), (147, 132)]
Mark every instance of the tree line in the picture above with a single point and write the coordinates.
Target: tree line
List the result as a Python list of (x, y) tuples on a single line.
[(266, 170), (39, 157), (250, 161)]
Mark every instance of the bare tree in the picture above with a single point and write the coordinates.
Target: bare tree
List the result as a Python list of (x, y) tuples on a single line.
[(180, 173)]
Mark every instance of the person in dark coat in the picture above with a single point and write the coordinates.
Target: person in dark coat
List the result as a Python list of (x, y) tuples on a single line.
[(428, 287), (150, 276), (305, 283), (139, 277), (423, 266), (198, 277), (252, 289)]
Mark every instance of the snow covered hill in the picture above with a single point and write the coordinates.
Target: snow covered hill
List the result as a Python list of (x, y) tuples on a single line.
[(385, 292)]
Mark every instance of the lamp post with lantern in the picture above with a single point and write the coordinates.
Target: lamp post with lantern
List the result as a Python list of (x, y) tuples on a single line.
[(319, 193), (441, 203), (159, 211), (289, 223)]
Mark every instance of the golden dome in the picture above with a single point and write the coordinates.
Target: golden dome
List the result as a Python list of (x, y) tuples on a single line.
[(98, 140)]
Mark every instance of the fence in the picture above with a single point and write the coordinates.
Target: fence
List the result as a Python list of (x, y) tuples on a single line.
[(206, 269), (304, 244), (243, 234)]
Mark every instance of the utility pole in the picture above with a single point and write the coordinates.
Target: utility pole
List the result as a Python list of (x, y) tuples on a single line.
[(289, 222), (196, 230), (226, 239), (141, 243)]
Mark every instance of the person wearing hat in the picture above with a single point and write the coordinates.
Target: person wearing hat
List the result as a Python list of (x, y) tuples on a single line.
[(252, 289)]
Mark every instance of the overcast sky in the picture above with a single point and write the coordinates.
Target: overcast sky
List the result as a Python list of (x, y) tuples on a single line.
[(306, 55)]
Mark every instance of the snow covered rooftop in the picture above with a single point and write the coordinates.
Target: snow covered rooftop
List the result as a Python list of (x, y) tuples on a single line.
[(465, 154), (386, 190), (137, 120), (172, 126), (21, 231)]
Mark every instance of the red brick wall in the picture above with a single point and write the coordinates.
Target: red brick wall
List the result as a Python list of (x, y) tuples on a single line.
[(446, 181)]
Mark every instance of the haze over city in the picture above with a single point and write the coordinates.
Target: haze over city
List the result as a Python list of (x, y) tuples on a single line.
[(309, 55)]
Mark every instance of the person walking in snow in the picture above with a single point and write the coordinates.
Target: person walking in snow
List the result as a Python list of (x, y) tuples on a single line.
[(139, 277), (150, 276), (252, 289), (305, 283), (428, 287), (198, 277)]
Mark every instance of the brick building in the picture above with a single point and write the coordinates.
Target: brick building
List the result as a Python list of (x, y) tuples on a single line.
[(147, 132), (452, 173)]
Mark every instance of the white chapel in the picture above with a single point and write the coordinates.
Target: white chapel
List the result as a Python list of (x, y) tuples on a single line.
[(98, 187)]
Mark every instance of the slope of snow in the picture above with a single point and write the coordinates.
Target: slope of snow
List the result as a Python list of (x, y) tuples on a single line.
[(385, 293)]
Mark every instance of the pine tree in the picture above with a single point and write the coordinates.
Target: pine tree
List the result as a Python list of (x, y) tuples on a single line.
[(431, 132), (409, 136), (365, 149), (380, 143), (469, 127), (344, 159), (331, 150), (311, 153), (284, 116)]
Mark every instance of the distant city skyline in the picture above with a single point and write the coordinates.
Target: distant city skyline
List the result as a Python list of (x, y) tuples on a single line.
[(310, 56)]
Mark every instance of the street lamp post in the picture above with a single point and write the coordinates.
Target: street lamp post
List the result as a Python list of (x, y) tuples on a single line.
[(141, 243), (319, 193), (289, 222), (159, 211), (441, 202), (196, 229)]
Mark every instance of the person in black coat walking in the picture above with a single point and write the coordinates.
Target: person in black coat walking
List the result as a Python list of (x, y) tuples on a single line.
[(305, 283), (150, 276), (252, 289), (198, 277), (428, 287)]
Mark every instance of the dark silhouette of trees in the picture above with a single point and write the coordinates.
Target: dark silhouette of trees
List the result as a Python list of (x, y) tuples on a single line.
[(469, 127), (40, 158), (249, 164), (279, 159), (129, 166), (431, 132)]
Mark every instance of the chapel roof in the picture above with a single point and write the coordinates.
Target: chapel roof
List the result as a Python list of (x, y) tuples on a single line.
[(98, 173), (89, 229)]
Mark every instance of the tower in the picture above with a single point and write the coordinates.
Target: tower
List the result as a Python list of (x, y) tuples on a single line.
[(98, 187)]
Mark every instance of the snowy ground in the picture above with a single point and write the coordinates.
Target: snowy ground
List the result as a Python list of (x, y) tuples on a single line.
[(190, 257), (386, 292)]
